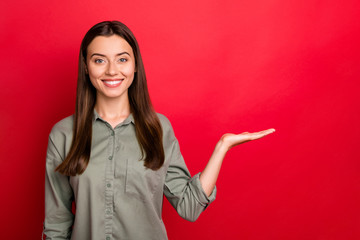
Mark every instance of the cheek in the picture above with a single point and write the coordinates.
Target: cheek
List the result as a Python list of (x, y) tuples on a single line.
[(94, 76), (129, 71), (92, 80), (95, 72)]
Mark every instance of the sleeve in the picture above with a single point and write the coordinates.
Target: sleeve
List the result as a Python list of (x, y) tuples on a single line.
[(184, 192), (58, 198)]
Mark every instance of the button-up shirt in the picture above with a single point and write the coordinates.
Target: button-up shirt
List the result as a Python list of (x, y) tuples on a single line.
[(117, 197)]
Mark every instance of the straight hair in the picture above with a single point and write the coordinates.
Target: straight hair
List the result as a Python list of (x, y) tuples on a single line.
[(147, 124)]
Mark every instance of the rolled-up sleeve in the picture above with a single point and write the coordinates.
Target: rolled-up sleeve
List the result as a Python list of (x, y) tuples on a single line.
[(184, 192), (58, 198)]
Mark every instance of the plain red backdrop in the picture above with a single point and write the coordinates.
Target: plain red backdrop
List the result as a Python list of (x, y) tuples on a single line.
[(213, 67)]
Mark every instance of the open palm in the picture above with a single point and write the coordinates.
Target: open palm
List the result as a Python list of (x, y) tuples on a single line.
[(231, 140)]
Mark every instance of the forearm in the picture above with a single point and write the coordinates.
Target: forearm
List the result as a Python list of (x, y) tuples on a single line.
[(210, 173)]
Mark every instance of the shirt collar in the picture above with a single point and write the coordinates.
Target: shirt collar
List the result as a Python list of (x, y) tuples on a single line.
[(129, 119)]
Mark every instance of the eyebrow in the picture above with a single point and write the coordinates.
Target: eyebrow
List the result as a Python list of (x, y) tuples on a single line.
[(102, 55)]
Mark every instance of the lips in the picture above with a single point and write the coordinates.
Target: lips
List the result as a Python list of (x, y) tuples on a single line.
[(112, 83)]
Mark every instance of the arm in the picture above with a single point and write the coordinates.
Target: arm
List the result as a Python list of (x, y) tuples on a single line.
[(58, 198), (184, 192), (211, 172)]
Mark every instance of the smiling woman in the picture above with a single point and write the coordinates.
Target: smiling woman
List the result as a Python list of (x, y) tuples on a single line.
[(116, 157)]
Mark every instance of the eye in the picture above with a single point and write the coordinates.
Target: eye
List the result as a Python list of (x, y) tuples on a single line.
[(123, 60), (99, 60)]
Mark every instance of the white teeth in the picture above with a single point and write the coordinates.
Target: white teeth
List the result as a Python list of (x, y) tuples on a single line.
[(112, 82)]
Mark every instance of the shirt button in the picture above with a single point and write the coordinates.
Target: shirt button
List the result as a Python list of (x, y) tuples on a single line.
[(117, 148), (112, 134), (110, 158), (107, 238), (108, 185)]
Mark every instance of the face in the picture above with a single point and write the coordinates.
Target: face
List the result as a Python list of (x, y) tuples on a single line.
[(111, 66)]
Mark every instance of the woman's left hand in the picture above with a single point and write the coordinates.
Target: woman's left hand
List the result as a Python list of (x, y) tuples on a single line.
[(210, 173), (230, 140)]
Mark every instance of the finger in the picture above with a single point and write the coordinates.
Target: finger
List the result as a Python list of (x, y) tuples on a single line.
[(261, 134), (268, 131)]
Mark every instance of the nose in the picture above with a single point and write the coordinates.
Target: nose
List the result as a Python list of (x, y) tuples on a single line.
[(111, 69)]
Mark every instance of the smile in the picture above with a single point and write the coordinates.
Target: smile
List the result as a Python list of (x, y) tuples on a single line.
[(112, 83)]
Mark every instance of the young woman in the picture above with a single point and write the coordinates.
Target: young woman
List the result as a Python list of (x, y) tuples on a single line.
[(116, 157)]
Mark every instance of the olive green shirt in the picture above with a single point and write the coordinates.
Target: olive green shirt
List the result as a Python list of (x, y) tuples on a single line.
[(117, 197)]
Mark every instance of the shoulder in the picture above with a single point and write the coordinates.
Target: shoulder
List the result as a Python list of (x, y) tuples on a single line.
[(164, 120), (60, 139), (165, 123), (168, 132), (62, 130)]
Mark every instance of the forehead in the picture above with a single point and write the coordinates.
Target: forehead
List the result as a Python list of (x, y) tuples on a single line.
[(109, 45)]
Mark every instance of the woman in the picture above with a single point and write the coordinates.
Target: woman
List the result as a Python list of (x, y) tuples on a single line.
[(115, 157)]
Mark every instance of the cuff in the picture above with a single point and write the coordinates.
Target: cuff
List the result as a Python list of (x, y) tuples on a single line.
[(199, 191)]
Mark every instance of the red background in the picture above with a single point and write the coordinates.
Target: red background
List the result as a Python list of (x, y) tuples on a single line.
[(213, 67)]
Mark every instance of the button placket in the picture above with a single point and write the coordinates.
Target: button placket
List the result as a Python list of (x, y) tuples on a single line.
[(108, 211), (109, 191)]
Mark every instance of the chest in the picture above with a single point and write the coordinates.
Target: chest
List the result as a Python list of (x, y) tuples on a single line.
[(116, 166)]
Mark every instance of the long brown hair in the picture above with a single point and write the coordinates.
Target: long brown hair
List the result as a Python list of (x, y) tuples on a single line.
[(147, 125)]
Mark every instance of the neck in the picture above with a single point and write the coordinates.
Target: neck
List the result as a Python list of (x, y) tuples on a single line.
[(113, 109)]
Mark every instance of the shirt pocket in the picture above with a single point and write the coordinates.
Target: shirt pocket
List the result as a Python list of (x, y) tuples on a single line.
[(140, 181)]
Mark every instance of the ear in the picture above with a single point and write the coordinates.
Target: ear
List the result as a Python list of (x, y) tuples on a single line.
[(86, 69), (83, 61)]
